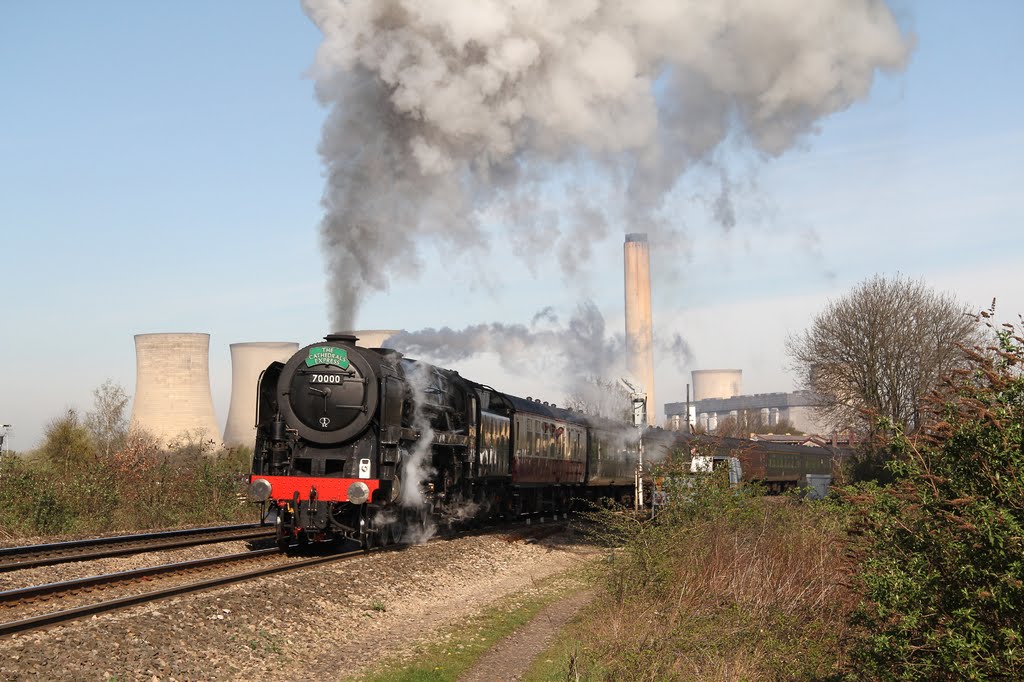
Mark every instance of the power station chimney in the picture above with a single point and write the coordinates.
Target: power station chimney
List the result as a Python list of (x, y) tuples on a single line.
[(639, 322), (172, 387), (248, 360)]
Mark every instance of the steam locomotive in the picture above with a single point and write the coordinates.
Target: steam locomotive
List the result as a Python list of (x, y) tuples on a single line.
[(369, 445)]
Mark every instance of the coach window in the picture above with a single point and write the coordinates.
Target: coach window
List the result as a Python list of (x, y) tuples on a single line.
[(530, 436)]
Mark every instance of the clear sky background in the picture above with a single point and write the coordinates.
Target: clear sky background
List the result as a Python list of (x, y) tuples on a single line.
[(159, 173)]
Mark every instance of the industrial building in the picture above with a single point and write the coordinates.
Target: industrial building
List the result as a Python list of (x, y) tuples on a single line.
[(717, 394)]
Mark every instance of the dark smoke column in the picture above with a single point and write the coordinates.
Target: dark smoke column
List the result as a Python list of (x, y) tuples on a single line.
[(639, 321)]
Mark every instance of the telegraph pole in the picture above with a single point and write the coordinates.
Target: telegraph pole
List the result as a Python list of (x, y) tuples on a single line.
[(3, 440)]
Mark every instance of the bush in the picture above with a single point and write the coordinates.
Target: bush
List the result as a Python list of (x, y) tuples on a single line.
[(139, 486), (942, 550), (723, 584)]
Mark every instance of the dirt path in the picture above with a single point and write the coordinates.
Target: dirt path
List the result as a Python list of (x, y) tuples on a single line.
[(512, 656)]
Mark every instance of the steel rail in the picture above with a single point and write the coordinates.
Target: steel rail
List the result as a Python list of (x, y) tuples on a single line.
[(34, 591), (58, 553), (89, 542)]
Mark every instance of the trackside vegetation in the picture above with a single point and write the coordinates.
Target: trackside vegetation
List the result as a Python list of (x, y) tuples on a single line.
[(724, 584), (92, 474), (941, 550), (138, 485)]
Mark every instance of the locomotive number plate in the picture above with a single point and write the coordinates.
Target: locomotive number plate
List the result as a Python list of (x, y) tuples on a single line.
[(326, 378)]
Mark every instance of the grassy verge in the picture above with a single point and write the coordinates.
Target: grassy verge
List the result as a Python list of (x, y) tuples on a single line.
[(457, 650), (725, 587)]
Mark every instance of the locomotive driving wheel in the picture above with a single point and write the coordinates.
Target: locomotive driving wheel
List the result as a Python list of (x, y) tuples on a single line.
[(282, 536)]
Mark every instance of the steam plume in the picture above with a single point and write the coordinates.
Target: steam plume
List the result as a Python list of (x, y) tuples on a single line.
[(588, 360), (581, 345), (440, 108)]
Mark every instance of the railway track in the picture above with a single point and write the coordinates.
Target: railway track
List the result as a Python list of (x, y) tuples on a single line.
[(30, 556), (23, 603), (26, 608)]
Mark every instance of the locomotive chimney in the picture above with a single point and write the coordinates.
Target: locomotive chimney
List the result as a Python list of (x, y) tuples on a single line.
[(367, 338), (346, 338), (248, 360), (172, 387), (639, 322)]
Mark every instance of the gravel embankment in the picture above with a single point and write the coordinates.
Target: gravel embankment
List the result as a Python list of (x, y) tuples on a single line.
[(318, 623)]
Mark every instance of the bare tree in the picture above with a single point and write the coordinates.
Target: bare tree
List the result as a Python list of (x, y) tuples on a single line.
[(747, 422), (881, 348), (601, 398), (108, 423)]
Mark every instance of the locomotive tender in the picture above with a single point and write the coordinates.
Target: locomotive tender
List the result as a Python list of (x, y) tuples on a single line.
[(368, 445)]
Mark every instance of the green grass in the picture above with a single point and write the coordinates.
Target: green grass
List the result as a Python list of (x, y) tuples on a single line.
[(459, 649), (565, 657)]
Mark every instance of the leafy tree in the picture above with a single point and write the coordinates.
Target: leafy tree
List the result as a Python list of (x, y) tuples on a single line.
[(880, 349), (67, 442), (108, 422), (942, 549)]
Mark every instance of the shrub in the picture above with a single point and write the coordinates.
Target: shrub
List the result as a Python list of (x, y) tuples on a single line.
[(942, 550), (723, 584), (138, 486)]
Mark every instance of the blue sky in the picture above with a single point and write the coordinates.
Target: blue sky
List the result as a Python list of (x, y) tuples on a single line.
[(159, 172)]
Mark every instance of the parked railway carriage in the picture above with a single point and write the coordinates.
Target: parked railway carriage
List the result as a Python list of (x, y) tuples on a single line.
[(779, 467), (776, 466)]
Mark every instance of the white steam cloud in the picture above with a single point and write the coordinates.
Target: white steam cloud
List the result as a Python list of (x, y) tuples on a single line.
[(416, 464), (444, 109), (580, 353), (582, 347)]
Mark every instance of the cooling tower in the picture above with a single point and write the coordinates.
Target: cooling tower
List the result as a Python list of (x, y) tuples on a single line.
[(639, 322), (248, 360), (716, 383), (172, 387)]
